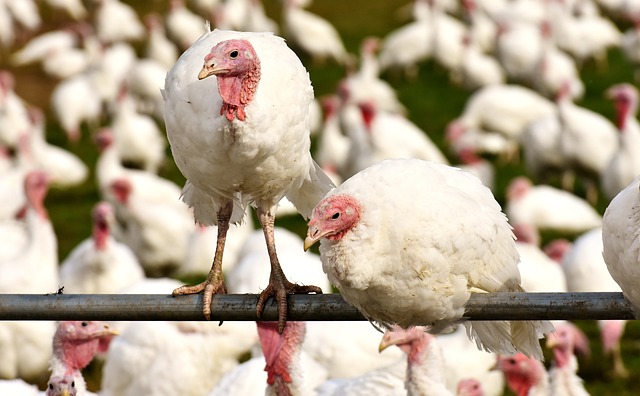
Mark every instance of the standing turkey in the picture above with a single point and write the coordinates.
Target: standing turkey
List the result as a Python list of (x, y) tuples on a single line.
[(409, 254), (241, 139)]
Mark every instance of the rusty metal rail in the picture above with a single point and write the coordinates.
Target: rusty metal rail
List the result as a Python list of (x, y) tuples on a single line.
[(327, 307)]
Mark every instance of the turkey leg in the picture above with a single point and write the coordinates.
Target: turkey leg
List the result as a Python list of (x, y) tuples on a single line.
[(214, 284), (278, 286)]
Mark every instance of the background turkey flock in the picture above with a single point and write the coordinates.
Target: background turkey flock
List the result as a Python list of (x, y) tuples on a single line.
[(504, 88)]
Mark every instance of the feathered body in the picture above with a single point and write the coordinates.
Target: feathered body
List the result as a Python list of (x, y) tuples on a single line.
[(243, 138), (620, 240), (413, 252), (264, 156)]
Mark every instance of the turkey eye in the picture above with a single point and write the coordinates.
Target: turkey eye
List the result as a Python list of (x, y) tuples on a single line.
[(512, 361), (233, 54), (50, 386), (84, 324), (335, 216), (73, 384)]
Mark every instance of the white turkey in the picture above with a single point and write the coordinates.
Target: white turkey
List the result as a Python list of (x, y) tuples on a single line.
[(159, 47), (137, 136), (251, 272), (444, 251), (563, 377), (173, 358), (128, 26), (377, 135), (462, 359), (29, 264), (63, 168), (365, 83), (312, 33), (624, 165), (525, 376), (100, 264), (425, 364), (183, 26), (14, 115), (502, 109), (620, 240), (555, 68), (156, 232), (548, 208), (588, 140), (332, 151), (239, 143), (75, 343), (586, 271), (408, 45), (284, 368)]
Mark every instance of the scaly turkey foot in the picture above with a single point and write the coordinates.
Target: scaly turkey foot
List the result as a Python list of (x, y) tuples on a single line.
[(213, 285), (280, 289)]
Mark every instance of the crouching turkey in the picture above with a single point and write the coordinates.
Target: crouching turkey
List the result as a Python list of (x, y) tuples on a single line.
[(241, 139), (407, 242)]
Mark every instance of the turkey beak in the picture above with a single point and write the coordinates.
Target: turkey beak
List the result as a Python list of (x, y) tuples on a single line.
[(208, 69), (313, 236), (552, 341), (65, 392), (391, 338), (106, 331)]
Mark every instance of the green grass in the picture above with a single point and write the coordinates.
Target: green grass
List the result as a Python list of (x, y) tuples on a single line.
[(431, 102)]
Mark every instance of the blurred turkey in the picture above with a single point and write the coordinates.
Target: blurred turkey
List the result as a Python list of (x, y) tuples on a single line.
[(100, 264), (586, 271), (173, 358), (624, 165), (29, 264), (311, 33), (548, 208)]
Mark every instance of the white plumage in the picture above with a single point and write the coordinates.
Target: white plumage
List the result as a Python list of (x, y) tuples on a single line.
[(624, 165), (312, 33), (128, 26), (423, 271), (377, 135), (251, 273), (548, 208), (138, 138), (505, 109), (100, 264), (246, 143), (586, 271), (173, 358), (30, 267), (620, 240)]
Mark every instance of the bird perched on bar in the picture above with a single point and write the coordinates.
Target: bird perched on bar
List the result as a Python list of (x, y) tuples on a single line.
[(242, 139), (620, 241), (407, 241)]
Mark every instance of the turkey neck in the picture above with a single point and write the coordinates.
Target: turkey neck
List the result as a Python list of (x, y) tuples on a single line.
[(237, 91), (425, 375)]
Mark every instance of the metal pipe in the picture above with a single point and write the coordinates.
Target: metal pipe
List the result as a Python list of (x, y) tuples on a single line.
[(325, 307)]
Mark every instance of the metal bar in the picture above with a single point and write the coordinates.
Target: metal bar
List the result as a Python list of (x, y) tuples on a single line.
[(326, 307)]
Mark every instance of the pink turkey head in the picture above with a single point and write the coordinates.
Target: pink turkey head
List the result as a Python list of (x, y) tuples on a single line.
[(522, 373), (625, 98), (102, 217), (75, 343), (412, 341), (332, 218), (61, 385), (237, 67), (470, 387)]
